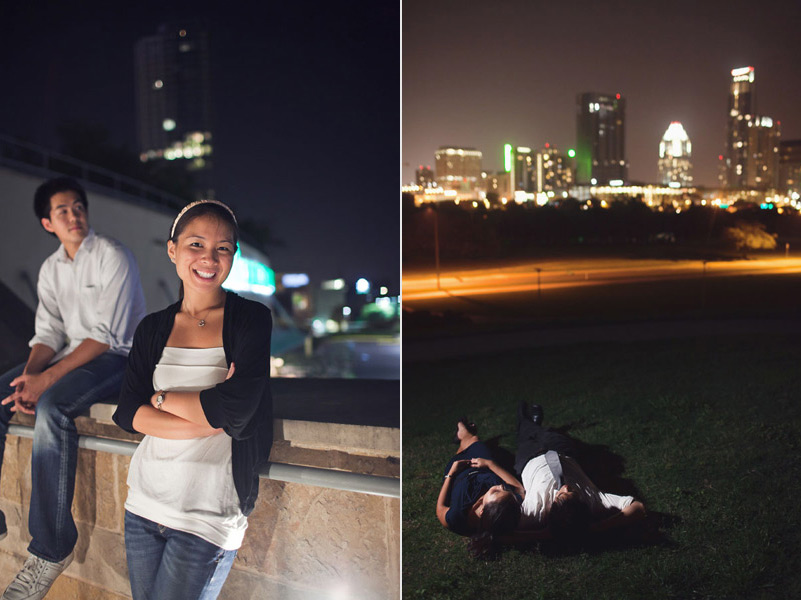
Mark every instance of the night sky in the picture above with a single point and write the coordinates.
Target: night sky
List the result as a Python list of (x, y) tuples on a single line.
[(306, 121), (479, 73)]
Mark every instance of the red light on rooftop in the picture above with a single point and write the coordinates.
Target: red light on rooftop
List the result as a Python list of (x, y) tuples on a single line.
[(547, 145), (617, 96), (720, 157)]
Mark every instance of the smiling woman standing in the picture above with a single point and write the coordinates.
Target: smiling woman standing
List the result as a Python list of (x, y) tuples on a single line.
[(197, 386)]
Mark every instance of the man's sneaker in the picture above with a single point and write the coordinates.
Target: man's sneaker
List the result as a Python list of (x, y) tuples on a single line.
[(3, 528), (35, 578)]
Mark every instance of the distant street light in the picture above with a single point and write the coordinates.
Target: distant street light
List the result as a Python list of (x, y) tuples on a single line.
[(436, 242)]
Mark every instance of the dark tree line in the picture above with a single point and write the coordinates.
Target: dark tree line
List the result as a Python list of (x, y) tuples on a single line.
[(467, 233)]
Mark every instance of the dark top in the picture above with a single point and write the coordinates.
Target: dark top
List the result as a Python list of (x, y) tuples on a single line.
[(467, 487), (241, 405)]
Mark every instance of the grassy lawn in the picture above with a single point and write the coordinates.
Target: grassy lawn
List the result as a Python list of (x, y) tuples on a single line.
[(708, 432)]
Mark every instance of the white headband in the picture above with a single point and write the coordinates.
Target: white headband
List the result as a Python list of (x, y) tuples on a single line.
[(195, 203)]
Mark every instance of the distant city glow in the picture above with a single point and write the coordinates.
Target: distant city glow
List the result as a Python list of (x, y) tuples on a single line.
[(333, 284), (293, 280), (168, 124)]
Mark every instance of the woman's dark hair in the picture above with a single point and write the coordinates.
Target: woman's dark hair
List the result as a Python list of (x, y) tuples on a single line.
[(569, 519), (499, 518), (51, 187), (203, 209)]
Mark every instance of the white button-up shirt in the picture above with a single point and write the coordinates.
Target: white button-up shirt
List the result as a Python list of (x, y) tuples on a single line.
[(96, 295)]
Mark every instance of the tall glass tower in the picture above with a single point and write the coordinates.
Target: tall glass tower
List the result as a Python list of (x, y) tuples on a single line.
[(742, 107), (600, 139), (173, 101)]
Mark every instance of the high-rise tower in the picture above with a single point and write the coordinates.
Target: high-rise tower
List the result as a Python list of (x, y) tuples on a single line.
[(458, 168), (742, 107), (675, 155), (173, 101), (600, 139)]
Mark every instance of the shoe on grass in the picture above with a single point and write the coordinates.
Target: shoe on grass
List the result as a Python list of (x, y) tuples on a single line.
[(537, 414), (35, 578)]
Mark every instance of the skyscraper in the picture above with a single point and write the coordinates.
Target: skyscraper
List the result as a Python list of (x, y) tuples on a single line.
[(600, 139), (458, 168), (742, 107), (173, 101), (553, 170), (751, 159), (762, 166), (675, 155), (790, 167)]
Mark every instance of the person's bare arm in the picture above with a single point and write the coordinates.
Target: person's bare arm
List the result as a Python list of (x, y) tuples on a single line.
[(442, 508), (505, 475), (633, 512), (161, 424)]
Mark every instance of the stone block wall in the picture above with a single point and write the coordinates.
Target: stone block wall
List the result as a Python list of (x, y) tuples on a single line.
[(302, 541)]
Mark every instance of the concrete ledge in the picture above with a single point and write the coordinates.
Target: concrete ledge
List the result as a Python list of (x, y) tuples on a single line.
[(303, 541)]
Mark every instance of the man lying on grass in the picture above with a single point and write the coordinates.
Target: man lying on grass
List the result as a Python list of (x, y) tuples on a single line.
[(556, 500)]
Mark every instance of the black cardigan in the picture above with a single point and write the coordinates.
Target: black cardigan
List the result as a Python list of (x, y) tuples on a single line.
[(241, 405)]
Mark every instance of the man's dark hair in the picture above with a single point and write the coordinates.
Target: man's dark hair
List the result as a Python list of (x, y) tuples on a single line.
[(569, 519), (51, 187)]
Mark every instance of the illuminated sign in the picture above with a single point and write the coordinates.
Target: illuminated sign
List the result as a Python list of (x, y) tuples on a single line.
[(507, 157), (249, 275)]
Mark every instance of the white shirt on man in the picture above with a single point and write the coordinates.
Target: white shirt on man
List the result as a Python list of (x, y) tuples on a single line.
[(541, 491), (96, 295)]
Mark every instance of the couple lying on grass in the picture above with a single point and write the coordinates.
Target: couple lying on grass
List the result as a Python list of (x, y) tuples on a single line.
[(555, 501)]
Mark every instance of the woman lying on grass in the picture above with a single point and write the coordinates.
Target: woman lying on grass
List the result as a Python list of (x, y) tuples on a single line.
[(556, 500)]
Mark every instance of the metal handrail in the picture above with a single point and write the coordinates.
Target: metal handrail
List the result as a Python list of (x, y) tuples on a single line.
[(328, 478), (17, 152)]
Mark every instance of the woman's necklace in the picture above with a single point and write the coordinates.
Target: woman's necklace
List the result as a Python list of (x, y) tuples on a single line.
[(200, 322)]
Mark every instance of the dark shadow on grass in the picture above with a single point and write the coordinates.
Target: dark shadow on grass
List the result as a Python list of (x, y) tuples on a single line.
[(651, 531)]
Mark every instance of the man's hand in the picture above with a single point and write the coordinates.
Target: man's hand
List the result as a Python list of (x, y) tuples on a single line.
[(480, 463), (28, 388)]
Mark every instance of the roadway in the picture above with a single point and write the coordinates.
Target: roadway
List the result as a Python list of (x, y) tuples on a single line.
[(419, 287)]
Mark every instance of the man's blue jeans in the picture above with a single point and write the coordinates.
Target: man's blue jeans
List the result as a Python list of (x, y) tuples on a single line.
[(55, 448), (167, 564)]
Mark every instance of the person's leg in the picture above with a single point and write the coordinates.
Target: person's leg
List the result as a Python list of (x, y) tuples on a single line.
[(477, 449), (191, 568), (55, 452), (144, 547)]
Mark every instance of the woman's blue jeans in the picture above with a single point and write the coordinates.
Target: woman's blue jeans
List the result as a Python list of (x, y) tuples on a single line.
[(167, 564), (55, 448)]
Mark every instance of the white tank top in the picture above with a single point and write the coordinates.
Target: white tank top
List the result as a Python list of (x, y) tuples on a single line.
[(188, 485)]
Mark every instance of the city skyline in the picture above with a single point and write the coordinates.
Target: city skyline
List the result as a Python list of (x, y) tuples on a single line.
[(476, 78)]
